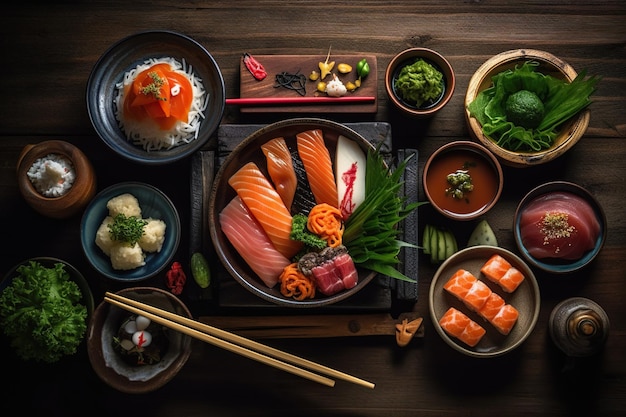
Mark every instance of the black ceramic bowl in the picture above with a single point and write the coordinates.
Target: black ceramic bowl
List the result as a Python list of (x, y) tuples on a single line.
[(125, 55), (222, 193)]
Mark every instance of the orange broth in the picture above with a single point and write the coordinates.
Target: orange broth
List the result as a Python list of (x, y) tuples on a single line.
[(484, 179)]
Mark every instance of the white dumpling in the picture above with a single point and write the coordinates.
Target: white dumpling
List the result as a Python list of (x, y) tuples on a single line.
[(126, 204), (103, 236), (126, 257), (153, 235)]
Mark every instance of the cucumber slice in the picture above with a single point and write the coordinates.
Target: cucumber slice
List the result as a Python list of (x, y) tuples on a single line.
[(426, 239), (482, 235), (441, 245), (451, 245), (434, 245)]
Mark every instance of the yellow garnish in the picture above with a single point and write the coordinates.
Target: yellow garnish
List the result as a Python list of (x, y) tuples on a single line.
[(154, 87), (326, 67)]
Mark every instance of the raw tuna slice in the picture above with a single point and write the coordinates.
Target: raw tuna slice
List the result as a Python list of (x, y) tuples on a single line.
[(327, 279), (559, 225), (347, 271), (251, 242)]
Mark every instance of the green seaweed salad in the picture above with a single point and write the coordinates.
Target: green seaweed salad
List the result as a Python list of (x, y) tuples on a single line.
[(529, 121)]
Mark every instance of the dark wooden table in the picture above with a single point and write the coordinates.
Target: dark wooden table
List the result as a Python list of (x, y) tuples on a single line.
[(47, 54)]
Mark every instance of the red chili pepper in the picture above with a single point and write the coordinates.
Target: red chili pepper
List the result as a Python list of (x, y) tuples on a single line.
[(176, 278), (254, 66)]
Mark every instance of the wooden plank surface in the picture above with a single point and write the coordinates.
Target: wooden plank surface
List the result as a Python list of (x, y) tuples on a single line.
[(304, 64)]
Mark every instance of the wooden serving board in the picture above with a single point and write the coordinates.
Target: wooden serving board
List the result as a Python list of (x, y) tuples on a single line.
[(250, 87)]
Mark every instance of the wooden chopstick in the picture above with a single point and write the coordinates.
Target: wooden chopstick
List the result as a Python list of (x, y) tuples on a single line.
[(235, 343), (277, 101)]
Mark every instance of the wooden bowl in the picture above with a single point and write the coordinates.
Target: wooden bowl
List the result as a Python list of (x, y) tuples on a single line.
[(76, 198), (408, 57), (485, 171), (110, 366), (570, 132)]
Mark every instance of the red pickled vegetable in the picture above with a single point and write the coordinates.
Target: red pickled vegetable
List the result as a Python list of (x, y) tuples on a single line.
[(176, 278), (255, 67)]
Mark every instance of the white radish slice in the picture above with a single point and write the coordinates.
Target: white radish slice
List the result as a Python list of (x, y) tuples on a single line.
[(350, 161)]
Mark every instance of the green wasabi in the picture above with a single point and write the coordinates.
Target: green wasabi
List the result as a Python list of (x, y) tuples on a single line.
[(419, 83)]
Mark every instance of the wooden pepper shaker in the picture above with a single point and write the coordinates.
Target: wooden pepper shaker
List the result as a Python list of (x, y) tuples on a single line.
[(579, 327)]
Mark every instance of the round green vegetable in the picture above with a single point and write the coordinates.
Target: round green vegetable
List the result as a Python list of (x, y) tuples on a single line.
[(524, 108), (200, 270)]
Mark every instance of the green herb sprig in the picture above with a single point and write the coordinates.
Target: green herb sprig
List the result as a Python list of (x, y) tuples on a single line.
[(127, 229), (372, 231)]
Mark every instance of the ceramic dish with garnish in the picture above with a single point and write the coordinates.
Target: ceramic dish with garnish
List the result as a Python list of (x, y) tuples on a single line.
[(132, 354), (559, 227), (119, 209), (491, 316), (155, 97)]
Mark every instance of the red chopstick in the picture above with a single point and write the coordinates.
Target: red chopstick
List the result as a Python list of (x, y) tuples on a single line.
[(261, 101)]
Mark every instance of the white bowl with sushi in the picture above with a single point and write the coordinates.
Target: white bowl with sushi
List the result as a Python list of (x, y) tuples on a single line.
[(246, 264)]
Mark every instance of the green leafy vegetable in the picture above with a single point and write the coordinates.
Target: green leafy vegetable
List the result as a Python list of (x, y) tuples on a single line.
[(561, 100), (127, 229), (301, 233), (41, 313), (371, 232)]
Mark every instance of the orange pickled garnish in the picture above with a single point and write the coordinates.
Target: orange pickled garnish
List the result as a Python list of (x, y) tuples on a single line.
[(160, 94)]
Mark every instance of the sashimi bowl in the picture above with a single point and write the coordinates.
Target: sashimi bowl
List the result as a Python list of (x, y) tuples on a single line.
[(559, 227), (238, 221), (476, 310), (155, 97)]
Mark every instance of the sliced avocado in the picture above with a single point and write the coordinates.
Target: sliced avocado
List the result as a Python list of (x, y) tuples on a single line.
[(482, 235)]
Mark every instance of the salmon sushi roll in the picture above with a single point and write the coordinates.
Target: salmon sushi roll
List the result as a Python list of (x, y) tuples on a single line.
[(492, 306), (500, 271), (460, 283), (477, 296), (456, 324), (505, 319), (511, 280)]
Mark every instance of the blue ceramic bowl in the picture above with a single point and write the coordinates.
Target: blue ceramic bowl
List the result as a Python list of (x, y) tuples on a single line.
[(153, 204), (556, 266), (126, 55)]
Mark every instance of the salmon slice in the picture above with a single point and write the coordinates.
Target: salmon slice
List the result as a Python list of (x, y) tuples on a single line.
[(318, 166), (505, 319), (280, 168), (265, 204), (249, 239), (460, 283), (477, 296), (500, 271), (492, 306), (457, 324)]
